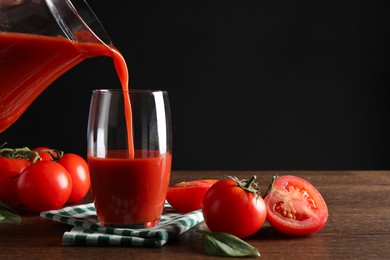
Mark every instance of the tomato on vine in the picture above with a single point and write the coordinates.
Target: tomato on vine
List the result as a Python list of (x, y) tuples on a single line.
[(78, 170), (42, 178), (45, 153), (235, 207), (76, 166), (10, 168), (44, 185)]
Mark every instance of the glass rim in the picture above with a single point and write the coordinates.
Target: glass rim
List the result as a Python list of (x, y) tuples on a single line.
[(116, 90)]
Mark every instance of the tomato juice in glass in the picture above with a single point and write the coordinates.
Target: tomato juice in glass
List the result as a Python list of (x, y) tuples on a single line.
[(130, 190), (129, 180)]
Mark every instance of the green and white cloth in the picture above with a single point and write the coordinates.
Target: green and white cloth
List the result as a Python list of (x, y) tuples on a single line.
[(86, 230)]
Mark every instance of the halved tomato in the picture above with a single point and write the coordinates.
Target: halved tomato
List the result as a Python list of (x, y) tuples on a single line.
[(187, 196), (295, 207)]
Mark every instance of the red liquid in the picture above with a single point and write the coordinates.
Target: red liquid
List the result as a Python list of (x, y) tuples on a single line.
[(137, 187)]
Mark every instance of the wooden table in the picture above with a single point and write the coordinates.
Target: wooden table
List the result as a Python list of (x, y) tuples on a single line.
[(358, 226)]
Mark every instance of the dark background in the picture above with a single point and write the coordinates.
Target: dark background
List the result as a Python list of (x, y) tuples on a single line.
[(253, 85)]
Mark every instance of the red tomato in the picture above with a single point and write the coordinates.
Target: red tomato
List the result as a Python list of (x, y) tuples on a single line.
[(295, 207), (45, 156), (234, 207), (79, 172), (9, 174), (187, 196), (45, 185)]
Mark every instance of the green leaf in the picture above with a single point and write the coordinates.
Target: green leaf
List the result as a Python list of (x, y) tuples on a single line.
[(8, 215), (225, 244)]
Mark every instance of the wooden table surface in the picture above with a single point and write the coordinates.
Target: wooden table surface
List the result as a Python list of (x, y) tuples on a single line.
[(358, 226)]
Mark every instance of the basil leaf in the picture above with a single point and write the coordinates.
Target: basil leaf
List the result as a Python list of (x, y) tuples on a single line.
[(225, 244), (8, 215)]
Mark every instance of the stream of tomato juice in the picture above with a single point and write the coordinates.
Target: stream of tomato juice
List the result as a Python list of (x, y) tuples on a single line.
[(123, 74)]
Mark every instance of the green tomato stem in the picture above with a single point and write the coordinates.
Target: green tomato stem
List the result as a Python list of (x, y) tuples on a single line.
[(249, 185), (271, 186), (27, 154), (20, 153), (54, 153)]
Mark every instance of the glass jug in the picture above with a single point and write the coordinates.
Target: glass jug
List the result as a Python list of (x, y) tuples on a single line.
[(39, 41)]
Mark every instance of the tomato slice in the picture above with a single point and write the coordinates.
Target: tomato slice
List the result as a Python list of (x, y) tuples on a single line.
[(295, 207), (187, 196)]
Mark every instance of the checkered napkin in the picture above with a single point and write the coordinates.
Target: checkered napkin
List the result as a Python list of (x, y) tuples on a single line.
[(86, 230)]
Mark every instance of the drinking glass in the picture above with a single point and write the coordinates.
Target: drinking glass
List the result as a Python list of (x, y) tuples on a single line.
[(129, 155)]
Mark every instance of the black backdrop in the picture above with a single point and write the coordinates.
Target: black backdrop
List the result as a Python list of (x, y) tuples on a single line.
[(252, 85)]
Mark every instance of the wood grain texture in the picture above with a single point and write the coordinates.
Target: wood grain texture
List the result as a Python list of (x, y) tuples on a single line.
[(358, 226)]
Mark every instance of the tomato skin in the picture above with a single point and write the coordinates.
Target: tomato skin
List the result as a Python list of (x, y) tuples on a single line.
[(229, 208), (9, 171), (78, 170), (188, 196), (292, 192), (45, 185)]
